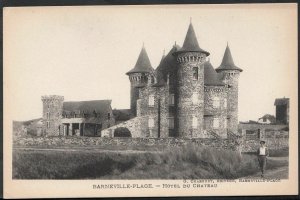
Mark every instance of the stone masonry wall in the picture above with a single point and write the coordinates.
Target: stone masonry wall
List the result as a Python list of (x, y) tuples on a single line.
[(186, 110), (52, 114), (143, 143), (231, 78), (210, 92)]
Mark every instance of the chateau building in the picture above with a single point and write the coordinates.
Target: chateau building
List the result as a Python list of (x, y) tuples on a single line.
[(183, 97)]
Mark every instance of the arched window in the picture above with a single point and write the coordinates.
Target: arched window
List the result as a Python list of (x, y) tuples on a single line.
[(195, 73), (216, 102)]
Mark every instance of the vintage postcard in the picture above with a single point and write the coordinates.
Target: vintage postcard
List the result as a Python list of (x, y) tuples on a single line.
[(161, 100)]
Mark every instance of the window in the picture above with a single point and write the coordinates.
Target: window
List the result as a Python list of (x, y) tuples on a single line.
[(225, 103), (195, 98), (171, 99), (48, 124), (216, 123), (195, 122), (152, 79), (216, 102), (108, 116), (150, 122), (151, 101), (48, 115), (195, 73), (171, 123)]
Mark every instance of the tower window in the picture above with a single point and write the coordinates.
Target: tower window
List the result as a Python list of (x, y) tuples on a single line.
[(151, 122), (216, 102), (48, 124), (195, 73), (216, 123), (171, 123), (195, 98), (195, 122), (225, 103), (171, 99), (108, 116), (152, 79), (151, 101), (48, 115)]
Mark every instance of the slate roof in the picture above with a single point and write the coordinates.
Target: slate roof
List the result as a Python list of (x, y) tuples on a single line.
[(211, 77), (190, 43), (167, 65), (227, 62), (281, 101), (143, 64), (99, 106)]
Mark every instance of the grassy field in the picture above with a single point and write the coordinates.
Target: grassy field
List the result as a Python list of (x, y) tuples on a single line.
[(191, 162)]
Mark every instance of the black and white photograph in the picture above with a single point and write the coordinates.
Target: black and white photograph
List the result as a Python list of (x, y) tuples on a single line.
[(153, 100)]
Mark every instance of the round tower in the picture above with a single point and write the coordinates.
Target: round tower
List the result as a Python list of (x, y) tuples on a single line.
[(138, 77), (230, 73), (190, 86), (52, 115)]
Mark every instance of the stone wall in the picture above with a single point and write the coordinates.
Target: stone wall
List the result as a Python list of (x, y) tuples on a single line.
[(52, 114), (145, 143), (231, 78), (187, 85), (211, 112)]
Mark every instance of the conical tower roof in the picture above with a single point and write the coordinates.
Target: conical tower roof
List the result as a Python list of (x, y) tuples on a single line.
[(211, 77), (143, 64), (190, 43), (227, 62)]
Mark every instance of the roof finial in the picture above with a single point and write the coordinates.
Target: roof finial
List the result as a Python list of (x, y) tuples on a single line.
[(143, 45), (227, 43), (164, 51), (190, 20)]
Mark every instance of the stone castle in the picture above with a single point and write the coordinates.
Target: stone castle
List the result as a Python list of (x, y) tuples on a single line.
[(183, 97)]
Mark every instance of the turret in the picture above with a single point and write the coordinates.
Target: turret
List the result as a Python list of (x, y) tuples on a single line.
[(138, 77), (52, 114), (190, 86), (230, 73)]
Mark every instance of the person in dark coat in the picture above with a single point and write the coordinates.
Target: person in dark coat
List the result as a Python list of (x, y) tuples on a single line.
[(262, 154)]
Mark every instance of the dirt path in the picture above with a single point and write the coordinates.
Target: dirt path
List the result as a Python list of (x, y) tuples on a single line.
[(278, 173)]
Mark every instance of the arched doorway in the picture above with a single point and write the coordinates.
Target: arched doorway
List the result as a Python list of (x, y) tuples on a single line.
[(122, 132)]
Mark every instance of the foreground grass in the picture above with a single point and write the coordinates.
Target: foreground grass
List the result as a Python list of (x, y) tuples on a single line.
[(190, 162)]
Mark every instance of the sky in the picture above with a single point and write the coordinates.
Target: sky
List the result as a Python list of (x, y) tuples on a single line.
[(83, 52)]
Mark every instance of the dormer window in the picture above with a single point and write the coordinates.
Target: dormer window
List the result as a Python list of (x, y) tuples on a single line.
[(108, 116), (152, 79), (195, 73)]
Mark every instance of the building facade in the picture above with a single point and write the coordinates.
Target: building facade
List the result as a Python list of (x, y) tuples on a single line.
[(184, 96)]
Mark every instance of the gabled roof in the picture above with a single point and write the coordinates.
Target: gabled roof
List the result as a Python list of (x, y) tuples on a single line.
[(99, 106), (227, 62), (190, 43), (211, 76), (281, 101), (271, 118), (143, 64)]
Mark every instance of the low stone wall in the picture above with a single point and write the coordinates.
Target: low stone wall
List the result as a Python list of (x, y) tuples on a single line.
[(146, 143)]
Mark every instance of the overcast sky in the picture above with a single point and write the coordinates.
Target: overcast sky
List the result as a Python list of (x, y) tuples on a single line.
[(84, 52)]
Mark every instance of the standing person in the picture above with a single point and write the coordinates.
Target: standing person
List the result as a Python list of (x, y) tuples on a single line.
[(262, 153)]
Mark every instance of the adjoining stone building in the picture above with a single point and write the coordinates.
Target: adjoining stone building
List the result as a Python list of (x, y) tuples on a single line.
[(184, 96), (75, 118), (282, 110)]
